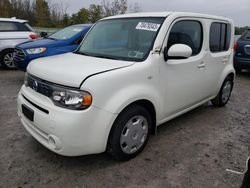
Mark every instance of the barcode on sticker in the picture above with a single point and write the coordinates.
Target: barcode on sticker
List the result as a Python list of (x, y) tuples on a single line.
[(148, 26)]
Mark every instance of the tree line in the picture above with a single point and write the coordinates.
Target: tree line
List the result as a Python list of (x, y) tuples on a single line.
[(46, 13)]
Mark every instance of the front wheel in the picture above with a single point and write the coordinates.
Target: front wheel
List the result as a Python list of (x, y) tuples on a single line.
[(130, 133), (6, 59), (225, 92)]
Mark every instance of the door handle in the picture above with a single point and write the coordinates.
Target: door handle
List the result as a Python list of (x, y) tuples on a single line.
[(224, 60), (202, 65)]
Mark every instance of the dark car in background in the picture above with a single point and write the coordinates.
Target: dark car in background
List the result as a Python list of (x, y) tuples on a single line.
[(62, 41), (242, 52)]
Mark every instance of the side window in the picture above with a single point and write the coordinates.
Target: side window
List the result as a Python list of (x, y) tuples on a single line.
[(7, 26), (21, 27), (214, 39), (187, 32), (246, 35), (220, 36), (12, 27)]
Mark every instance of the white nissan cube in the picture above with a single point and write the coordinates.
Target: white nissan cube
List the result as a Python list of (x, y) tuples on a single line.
[(130, 74)]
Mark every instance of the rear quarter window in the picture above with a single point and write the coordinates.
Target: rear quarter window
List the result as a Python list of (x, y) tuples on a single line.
[(219, 37), (246, 35)]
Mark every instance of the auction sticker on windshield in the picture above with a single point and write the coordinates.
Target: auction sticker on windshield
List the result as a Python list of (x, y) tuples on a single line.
[(148, 26)]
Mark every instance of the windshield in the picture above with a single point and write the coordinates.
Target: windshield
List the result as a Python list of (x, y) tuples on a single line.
[(66, 33), (129, 39)]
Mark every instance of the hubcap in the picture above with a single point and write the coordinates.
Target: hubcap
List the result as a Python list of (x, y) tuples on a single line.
[(226, 91), (8, 60), (134, 134)]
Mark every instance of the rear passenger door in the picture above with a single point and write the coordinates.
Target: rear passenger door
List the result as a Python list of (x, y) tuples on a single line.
[(183, 80), (219, 53)]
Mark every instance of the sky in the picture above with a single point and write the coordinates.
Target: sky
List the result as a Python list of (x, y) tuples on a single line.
[(238, 10)]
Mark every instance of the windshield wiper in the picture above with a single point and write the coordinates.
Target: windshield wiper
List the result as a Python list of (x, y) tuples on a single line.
[(99, 56), (51, 38), (106, 57)]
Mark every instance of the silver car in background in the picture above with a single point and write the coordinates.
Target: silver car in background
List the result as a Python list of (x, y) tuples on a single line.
[(13, 32)]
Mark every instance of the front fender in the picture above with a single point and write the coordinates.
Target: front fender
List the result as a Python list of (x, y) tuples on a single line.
[(125, 96), (115, 90), (60, 50)]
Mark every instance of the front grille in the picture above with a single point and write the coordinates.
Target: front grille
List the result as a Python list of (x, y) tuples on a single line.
[(35, 105), (39, 86), (19, 55), (247, 49)]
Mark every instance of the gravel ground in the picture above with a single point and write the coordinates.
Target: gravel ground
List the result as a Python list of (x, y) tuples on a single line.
[(193, 150)]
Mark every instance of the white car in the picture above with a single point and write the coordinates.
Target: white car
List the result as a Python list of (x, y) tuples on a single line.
[(131, 74), (13, 32)]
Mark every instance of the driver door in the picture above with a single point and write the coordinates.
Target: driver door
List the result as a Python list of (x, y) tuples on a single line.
[(183, 80)]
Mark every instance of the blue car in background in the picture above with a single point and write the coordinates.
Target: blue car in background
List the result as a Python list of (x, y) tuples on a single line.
[(242, 52), (62, 41)]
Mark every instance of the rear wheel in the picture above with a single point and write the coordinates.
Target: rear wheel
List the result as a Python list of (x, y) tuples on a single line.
[(225, 92), (130, 133), (6, 59)]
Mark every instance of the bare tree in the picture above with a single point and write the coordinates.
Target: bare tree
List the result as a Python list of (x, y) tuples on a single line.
[(134, 7), (58, 10), (115, 7)]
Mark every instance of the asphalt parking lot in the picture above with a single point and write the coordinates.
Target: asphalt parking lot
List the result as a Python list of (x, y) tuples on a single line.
[(193, 150)]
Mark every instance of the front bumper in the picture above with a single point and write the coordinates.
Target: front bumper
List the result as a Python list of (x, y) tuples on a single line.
[(241, 63), (63, 131), (22, 65)]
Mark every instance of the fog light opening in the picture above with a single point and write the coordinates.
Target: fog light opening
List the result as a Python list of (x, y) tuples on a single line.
[(54, 142)]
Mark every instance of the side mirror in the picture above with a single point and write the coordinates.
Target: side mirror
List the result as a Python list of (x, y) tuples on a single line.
[(177, 51), (43, 34)]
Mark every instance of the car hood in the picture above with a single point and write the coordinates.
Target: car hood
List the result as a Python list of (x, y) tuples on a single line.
[(41, 43), (71, 69)]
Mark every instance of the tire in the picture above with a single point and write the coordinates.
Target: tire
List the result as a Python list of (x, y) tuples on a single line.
[(130, 133), (6, 59), (225, 92)]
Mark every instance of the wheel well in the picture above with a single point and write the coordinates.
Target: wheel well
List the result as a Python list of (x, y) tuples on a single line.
[(150, 108), (1, 52), (6, 49), (231, 76)]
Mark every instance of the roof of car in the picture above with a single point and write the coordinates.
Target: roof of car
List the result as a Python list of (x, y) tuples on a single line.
[(165, 14), (83, 25), (12, 20)]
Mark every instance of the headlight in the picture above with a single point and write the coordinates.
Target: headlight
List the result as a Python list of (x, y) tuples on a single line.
[(65, 97), (35, 50), (72, 99)]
